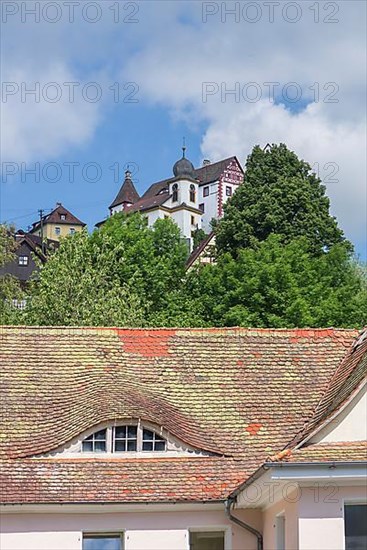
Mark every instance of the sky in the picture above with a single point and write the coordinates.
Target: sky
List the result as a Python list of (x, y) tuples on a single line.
[(91, 88)]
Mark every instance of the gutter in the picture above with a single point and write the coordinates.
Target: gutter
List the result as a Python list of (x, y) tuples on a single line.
[(228, 504)]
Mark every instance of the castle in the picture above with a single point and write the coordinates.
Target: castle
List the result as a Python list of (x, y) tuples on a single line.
[(191, 197)]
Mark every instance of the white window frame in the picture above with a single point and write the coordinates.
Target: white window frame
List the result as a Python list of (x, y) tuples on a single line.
[(110, 440), (72, 231), (226, 529), (280, 535), (23, 263), (57, 230)]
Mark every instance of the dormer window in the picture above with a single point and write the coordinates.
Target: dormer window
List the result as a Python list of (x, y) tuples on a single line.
[(174, 192), (153, 442), (192, 193), (62, 217), (95, 443), (124, 439)]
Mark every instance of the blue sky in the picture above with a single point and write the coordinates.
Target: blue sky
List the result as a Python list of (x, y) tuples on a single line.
[(196, 71)]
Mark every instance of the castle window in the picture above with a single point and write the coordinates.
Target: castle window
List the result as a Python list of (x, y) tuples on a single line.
[(228, 191), (192, 193), (206, 192), (23, 261), (202, 207), (174, 192), (95, 443), (192, 220)]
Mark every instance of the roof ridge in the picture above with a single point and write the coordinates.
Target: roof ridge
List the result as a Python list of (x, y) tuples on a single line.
[(295, 331)]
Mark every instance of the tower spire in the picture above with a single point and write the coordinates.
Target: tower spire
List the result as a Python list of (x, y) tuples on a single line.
[(183, 147)]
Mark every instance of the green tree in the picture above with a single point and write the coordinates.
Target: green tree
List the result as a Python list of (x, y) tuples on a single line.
[(277, 285), (150, 260), (198, 236), (122, 274), (281, 195), (9, 286), (77, 287)]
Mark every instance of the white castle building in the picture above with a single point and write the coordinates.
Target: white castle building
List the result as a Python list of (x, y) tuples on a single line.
[(192, 197)]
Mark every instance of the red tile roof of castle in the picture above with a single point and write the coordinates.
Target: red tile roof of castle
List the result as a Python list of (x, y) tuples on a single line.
[(240, 395)]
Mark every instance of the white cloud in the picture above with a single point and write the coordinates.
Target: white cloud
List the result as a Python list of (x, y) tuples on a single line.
[(36, 127), (171, 69), (171, 52)]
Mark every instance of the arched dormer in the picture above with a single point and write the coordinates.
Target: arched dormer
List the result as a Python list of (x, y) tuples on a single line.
[(126, 438)]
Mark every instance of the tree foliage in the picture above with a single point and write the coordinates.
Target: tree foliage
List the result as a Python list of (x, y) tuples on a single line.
[(279, 195), (277, 285), (119, 275), (9, 286)]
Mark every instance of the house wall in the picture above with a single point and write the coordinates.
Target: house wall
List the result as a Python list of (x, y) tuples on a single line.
[(321, 515), (49, 230), (349, 425), (143, 531), (314, 517), (288, 508), (210, 205), (20, 272)]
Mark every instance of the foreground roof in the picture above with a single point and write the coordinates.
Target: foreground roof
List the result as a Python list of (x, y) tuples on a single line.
[(240, 395)]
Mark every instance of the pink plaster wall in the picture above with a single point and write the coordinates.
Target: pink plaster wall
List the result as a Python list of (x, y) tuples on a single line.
[(290, 510), (143, 531)]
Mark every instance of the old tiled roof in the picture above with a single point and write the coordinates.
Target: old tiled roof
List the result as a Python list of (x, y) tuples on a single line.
[(146, 203), (347, 378), (238, 394), (212, 172), (55, 217), (205, 174), (127, 193), (346, 451)]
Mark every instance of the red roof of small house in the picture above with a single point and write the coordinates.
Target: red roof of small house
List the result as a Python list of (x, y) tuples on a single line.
[(238, 395), (57, 216)]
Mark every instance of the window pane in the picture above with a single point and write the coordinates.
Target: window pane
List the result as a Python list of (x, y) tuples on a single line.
[(99, 446), (160, 446), (131, 432), (147, 445), (355, 527), (131, 445), (120, 432), (102, 543), (87, 446), (120, 446), (207, 541), (148, 435), (100, 435)]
